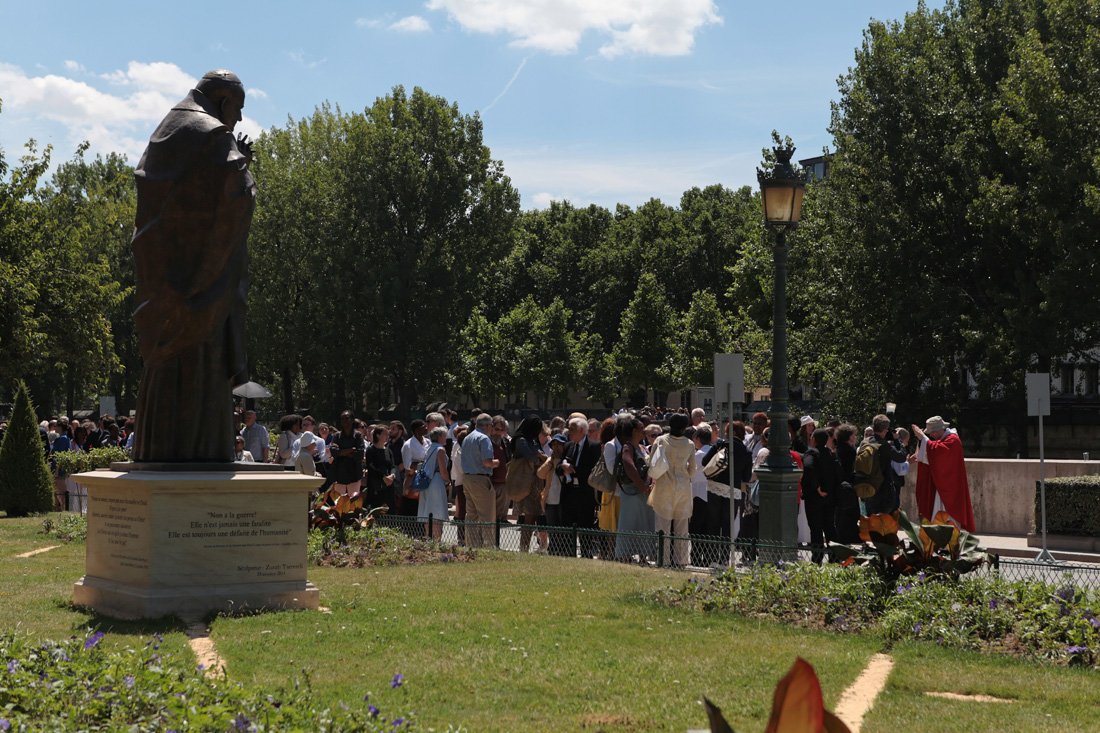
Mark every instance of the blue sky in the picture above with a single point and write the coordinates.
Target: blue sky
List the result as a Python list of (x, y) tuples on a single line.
[(594, 101)]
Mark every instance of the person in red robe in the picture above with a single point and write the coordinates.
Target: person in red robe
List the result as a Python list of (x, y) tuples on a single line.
[(941, 474)]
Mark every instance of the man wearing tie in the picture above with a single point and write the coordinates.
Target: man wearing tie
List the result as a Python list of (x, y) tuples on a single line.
[(578, 500)]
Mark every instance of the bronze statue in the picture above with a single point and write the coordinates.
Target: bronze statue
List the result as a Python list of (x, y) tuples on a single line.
[(195, 198)]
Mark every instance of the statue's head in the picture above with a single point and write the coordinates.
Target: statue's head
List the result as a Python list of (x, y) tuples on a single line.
[(225, 90)]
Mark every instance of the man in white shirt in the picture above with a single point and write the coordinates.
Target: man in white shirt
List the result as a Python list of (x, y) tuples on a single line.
[(703, 438)]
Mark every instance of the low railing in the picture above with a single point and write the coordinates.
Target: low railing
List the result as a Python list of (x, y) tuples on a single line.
[(695, 553)]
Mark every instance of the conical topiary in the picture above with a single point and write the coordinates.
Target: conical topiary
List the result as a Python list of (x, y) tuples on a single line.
[(25, 483)]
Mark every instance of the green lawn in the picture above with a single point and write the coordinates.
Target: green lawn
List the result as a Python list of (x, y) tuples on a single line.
[(534, 643)]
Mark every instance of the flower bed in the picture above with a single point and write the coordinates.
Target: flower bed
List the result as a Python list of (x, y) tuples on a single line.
[(378, 546), (1023, 618), (66, 527), (78, 685)]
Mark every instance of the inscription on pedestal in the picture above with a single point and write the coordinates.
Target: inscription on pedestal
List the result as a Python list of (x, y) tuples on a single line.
[(166, 543), (120, 524)]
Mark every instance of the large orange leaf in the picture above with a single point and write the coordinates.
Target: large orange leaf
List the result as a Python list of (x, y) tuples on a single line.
[(797, 706), (343, 504), (877, 526)]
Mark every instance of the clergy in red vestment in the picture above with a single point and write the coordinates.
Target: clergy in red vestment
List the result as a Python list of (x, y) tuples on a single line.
[(941, 474)]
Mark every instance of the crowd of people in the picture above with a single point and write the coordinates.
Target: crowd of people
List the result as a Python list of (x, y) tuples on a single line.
[(625, 479)]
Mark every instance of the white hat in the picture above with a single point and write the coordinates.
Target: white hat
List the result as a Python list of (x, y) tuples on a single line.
[(935, 424), (307, 440), (806, 420)]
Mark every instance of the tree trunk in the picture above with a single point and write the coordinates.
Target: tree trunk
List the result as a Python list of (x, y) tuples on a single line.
[(288, 391)]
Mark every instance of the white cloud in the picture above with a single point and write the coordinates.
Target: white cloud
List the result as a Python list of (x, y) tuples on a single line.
[(641, 27), (584, 177), (411, 24), (368, 23), (74, 66), (156, 77), (306, 62), (256, 92), (66, 111)]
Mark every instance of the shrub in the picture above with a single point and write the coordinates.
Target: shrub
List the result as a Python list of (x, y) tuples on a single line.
[(67, 463), (78, 685), (1073, 506), (66, 527), (1023, 618), (844, 599), (340, 547), (25, 483)]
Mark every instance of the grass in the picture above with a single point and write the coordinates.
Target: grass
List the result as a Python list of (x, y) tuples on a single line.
[(1044, 697), (37, 591), (529, 643)]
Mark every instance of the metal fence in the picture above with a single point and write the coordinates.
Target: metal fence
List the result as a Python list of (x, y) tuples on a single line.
[(1084, 576), (696, 553), (655, 549)]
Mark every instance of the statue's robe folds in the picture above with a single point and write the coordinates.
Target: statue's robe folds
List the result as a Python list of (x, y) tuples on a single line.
[(195, 203)]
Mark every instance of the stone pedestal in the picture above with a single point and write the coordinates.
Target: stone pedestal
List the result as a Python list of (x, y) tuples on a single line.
[(191, 542)]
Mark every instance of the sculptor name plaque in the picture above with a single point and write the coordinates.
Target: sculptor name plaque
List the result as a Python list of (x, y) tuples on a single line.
[(234, 538)]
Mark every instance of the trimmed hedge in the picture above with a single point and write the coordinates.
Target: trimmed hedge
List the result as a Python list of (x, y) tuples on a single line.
[(1073, 506), (66, 463)]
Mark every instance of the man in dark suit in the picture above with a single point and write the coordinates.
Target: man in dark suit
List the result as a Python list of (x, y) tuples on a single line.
[(578, 500)]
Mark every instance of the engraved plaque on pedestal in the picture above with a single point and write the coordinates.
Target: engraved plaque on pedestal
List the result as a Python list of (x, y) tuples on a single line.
[(192, 542)]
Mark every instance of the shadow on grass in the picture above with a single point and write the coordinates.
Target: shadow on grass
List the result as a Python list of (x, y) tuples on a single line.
[(109, 625)]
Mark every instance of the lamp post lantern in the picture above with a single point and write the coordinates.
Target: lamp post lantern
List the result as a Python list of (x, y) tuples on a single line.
[(781, 190)]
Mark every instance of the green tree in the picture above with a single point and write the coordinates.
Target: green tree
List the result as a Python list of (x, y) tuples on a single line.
[(955, 235), (23, 325), (646, 351), (703, 330), (25, 483)]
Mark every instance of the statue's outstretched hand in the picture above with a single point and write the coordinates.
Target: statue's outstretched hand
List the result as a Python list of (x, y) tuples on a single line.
[(244, 145)]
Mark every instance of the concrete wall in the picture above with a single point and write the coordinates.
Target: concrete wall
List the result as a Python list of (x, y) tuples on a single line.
[(1003, 491)]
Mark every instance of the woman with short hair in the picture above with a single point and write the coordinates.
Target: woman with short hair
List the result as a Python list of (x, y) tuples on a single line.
[(433, 500), (290, 431)]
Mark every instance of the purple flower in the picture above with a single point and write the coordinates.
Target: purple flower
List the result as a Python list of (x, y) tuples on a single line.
[(13, 665), (1095, 622), (5, 724), (397, 681), (829, 599), (1067, 593), (917, 627), (902, 588), (92, 640), (398, 722), (993, 603), (128, 680), (921, 575), (1077, 649), (241, 722), (201, 666), (373, 711)]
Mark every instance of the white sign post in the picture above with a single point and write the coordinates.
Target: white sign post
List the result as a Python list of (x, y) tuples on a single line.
[(1038, 404), (729, 380)]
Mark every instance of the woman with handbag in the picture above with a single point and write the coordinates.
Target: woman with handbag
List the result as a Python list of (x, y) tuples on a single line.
[(672, 465), (636, 517), (433, 499), (522, 483)]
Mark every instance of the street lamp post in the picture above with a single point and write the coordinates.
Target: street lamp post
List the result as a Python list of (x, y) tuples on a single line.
[(781, 190)]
